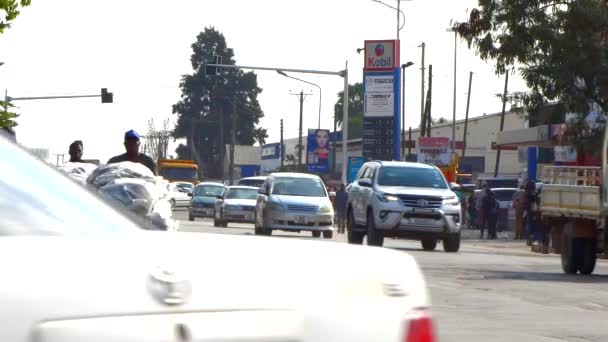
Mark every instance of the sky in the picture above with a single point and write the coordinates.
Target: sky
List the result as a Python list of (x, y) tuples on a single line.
[(139, 49)]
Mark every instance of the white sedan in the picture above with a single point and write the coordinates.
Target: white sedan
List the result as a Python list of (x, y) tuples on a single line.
[(74, 269), (179, 193)]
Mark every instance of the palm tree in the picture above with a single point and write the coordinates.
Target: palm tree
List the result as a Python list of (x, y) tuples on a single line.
[(355, 110)]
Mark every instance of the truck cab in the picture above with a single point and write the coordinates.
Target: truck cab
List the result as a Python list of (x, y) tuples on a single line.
[(176, 170)]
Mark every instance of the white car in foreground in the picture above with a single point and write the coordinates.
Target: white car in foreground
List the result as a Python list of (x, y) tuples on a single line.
[(77, 270)]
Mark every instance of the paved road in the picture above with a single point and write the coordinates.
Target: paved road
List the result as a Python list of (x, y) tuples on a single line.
[(495, 291)]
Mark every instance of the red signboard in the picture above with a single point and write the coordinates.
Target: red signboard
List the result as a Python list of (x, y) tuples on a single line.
[(504, 147), (381, 55)]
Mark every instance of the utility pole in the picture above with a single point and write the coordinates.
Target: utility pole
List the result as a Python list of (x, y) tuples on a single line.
[(422, 94), (301, 96), (398, 17), (333, 147), (454, 102), (409, 143), (502, 121), (466, 117), (232, 141), (282, 147), (222, 147), (429, 101)]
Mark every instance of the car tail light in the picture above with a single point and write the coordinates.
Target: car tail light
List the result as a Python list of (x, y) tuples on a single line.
[(420, 328)]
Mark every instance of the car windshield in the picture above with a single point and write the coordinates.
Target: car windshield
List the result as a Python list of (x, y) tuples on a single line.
[(179, 173), (252, 182), (208, 190), (417, 177), (185, 186), (292, 186), (37, 200), (504, 194), (237, 193)]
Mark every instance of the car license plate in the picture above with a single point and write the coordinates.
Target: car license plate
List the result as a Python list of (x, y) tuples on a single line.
[(300, 219)]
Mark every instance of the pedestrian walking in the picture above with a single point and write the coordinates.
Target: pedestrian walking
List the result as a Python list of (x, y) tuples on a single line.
[(132, 146), (490, 213), (341, 208), (481, 220), (519, 205), (472, 212)]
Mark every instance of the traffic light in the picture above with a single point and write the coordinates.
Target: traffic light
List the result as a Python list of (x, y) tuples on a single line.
[(106, 97), (213, 70)]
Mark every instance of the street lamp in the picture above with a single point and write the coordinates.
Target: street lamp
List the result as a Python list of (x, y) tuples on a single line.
[(399, 13), (282, 73), (403, 67), (453, 29)]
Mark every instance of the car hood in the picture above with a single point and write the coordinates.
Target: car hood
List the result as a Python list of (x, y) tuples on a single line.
[(403, 190), (240, 201), (300, 200), (80, 277), (204, 199)]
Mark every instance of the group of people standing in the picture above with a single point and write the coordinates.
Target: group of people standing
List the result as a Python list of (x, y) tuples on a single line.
[(483, 211), (132, 154)]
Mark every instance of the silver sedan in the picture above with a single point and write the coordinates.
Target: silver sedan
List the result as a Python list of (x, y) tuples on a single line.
[(237, 204)]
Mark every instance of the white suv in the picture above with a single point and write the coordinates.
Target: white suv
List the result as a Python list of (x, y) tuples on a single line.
[(405, 200)]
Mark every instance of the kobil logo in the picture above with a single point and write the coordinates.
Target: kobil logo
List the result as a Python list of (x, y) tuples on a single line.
[(380, 60)]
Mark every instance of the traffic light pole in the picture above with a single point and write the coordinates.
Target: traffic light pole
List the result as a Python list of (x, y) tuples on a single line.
[(106, 97), (341, 73)]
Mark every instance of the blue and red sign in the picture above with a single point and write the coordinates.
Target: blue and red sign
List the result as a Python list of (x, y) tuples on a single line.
[(381, 55)]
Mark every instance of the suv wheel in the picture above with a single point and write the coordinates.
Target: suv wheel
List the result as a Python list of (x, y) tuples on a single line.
[(374, 236), (451, 244), (316, 234), (328, 234), (429, 245), (354, 237), (190, 217)]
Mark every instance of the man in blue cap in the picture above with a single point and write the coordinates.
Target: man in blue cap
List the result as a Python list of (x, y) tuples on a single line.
[(132, 154)]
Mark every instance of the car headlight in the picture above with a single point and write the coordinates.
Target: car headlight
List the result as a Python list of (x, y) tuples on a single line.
[(325, 209), (451, 200), (387, 198), (274, 206)]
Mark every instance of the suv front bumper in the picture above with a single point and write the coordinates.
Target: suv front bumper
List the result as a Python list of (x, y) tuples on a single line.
[(446, 220)]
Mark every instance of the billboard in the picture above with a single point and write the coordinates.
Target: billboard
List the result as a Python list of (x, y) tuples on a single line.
[(354, 165), (381, 55), (317, 151), (434, 150)]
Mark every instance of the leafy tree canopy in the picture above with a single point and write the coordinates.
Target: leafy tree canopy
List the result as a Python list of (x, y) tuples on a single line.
[(9, 10), (559, 47), (355, 110), (200, 125)]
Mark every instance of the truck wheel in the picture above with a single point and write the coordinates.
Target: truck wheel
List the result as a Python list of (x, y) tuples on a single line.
[(328, 234), (451, 244), (216, 222), (224, 224), (429, 245), (374, 236), (316, 234), (354, 237), (570, 253), (588, 255)]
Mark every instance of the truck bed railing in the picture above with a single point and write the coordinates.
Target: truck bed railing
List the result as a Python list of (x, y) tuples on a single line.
[(572, 175)]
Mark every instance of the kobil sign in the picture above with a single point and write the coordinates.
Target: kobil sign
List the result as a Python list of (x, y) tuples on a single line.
[(381, 55)]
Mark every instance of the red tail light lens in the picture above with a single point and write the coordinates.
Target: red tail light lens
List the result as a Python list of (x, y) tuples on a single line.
[(420, 328)]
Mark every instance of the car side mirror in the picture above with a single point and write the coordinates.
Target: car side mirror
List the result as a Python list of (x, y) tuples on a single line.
[(366, 182), (455, 187), (262, 191), (332, 194), (189, 194), (219, 197)]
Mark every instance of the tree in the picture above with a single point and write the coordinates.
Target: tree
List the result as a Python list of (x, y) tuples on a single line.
[(440, 121), (9, 10), (200, 126), (355, 110), (560, 49), (7, 117)]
